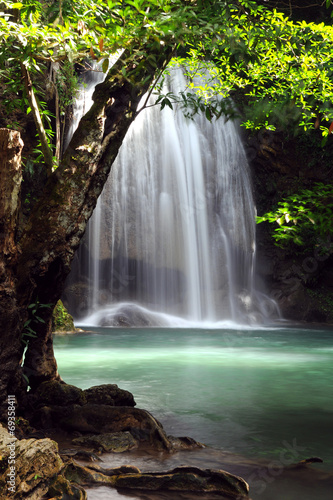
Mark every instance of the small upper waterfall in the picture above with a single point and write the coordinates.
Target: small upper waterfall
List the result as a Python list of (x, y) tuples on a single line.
[(172, 239)]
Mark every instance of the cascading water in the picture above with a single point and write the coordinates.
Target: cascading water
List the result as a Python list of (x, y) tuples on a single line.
[(172, 239)]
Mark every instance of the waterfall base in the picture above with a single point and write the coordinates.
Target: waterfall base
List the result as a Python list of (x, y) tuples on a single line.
[(128, 315)]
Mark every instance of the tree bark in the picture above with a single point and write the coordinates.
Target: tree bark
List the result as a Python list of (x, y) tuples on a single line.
[(11, 347), (58, 220)]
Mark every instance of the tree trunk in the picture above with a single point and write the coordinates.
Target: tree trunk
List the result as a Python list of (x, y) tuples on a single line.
[(58, 220), (11, 347)]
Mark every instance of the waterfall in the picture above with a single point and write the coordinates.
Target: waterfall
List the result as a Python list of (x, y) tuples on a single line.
[(172, 239)]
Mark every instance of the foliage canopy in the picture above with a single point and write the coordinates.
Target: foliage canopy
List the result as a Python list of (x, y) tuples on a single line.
[(303, 218), (281, 69)]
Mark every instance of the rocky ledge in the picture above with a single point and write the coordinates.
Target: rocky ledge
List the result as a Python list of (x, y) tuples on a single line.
[(103, 420), (40, 472)]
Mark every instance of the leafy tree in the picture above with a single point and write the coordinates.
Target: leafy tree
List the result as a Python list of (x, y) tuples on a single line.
[(282, 70), (236, 45), (37, 251), (303, 218)]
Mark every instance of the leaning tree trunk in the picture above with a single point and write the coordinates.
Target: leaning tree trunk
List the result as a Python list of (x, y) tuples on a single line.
[(11, 347), (59, 218)]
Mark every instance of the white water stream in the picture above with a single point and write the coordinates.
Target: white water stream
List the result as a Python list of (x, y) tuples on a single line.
[(172, 239)]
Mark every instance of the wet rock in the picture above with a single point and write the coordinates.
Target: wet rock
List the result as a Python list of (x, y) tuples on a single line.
[(114, 471), (62, 489), (79, 294), (109, 394), (311, 460), (115, 442), (127, 316), (84, 476), (58, 393), (36, 463), (189, 479), (101, 419), (79, 455), (62, 321), (184, 443), (23, 429), (182, 479)]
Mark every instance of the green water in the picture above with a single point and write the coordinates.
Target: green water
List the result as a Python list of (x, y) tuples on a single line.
[(253, 392)]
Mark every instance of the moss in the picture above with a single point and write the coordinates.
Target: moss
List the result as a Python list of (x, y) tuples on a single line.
[(61, 488), (324, 301), (58, 393), (62, 321)]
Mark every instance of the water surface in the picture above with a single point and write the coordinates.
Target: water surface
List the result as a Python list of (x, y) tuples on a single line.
[(264, 394), (245, 391)]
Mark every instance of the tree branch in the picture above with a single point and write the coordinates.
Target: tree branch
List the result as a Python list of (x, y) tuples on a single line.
[(47, 153)]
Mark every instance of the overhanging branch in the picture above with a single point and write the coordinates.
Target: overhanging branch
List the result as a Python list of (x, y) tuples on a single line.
[(47, 153)]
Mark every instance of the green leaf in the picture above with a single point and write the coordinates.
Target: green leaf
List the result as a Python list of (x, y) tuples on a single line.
[(105, 65), (30, 334), (208, 113), (38, 318)]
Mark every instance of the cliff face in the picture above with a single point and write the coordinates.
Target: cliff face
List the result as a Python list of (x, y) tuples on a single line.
[(299, 278)]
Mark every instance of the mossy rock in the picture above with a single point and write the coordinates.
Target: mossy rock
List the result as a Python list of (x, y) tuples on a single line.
[(62, 321), (62, 489), (114, 442), (58, 393), (37, 462), (109, 394)]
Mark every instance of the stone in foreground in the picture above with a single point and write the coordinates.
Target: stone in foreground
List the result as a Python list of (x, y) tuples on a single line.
[(37, 462), (182, 479)]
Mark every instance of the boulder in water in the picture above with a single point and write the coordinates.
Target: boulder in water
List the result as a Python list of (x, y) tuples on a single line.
[(127, 315), (56, 392), (100, 419), (109, 394), (115, 442), (59, 393)]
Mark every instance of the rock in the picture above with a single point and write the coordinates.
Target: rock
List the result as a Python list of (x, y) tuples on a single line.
[(79, 294), (88, 456), (62, 489), (121, 469), (23, 429), (62, 321), (101, 419), (184, 443), (58, 393), (84, 476), (36, 463), (115, 442), (185, 479), (127, 316), (189, 479), (109, 394)]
